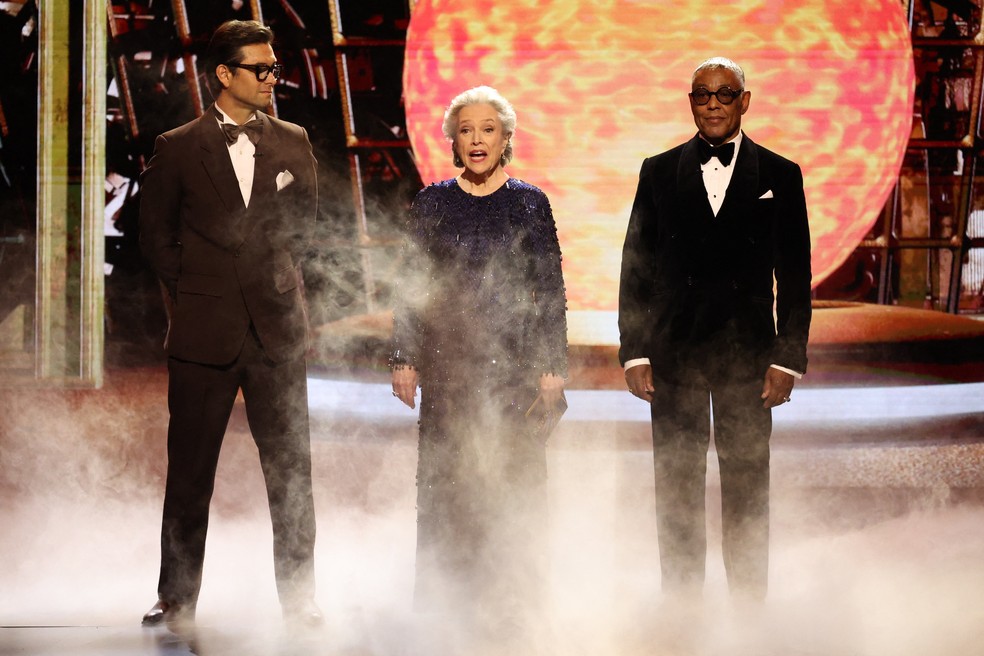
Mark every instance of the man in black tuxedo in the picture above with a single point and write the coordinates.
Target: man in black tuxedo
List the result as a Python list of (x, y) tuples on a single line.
[(228, 202), (713, 221)]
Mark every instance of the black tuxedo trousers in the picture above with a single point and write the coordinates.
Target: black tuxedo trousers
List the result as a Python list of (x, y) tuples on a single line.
[(716, 388)]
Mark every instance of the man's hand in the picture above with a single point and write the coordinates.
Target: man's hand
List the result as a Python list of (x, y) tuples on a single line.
[(640, 381), (777, 387), (405, 384)]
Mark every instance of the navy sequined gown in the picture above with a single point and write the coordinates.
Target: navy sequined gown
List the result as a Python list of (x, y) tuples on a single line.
[(481, 313)]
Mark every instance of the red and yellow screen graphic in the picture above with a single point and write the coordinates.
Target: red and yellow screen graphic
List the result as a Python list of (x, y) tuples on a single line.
[(600, 85)]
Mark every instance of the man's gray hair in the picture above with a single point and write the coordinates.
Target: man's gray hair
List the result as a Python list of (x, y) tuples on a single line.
[(720, 62), (482, 96)]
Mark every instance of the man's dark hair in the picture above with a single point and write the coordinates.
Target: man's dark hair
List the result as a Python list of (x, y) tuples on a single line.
[(226, 45)]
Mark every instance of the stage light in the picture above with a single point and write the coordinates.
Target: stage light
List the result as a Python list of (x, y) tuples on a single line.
[(599, 85)]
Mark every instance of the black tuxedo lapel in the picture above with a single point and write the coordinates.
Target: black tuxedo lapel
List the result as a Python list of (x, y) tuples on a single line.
[(743, 188), (690, 183)]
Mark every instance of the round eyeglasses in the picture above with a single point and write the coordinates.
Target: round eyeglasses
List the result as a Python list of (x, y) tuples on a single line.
[(261, 71), (725, 95)]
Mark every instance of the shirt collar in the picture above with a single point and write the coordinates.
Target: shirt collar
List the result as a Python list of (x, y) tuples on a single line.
[(225, 119)]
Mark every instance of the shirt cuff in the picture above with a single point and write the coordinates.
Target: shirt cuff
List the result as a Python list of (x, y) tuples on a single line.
[(635, 363), (795, 374)]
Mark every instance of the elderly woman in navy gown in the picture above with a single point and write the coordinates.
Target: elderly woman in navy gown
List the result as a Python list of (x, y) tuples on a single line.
[(480, 325)]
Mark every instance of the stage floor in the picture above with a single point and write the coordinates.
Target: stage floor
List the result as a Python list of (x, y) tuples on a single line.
[(877, 538)]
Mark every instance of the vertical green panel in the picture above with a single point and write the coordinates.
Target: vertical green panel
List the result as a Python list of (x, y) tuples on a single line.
[(93, 241), (71, 171), (53, 188)]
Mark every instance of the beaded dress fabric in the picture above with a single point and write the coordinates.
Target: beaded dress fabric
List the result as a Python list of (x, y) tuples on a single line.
[(481, 313)]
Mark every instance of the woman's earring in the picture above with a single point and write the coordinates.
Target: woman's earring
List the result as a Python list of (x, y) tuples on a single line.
[(457, 160)]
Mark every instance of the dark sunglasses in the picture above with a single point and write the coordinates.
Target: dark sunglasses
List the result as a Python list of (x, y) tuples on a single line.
[(725, 95), (262, 71)]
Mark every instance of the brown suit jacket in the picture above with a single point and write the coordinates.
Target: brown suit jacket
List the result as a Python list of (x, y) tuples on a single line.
[(226, 266)]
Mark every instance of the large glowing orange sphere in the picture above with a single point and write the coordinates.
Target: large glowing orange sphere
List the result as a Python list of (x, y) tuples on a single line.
[(599, 85)]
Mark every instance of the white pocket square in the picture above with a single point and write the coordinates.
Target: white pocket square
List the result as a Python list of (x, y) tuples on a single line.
[(284, 178), (767, 194)]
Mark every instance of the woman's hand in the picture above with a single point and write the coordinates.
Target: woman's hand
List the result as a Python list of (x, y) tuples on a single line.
[(551, 389), (405, 384)]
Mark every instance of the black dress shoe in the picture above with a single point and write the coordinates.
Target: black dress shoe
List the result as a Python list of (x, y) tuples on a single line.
[(155, 615), (304, 614), (171, 613)]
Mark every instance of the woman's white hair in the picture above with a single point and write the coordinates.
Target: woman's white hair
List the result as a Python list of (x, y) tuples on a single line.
[(480, 96), (720, 62)]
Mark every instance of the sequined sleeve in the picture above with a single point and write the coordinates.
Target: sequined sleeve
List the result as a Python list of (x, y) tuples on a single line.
[(550, 297), (410, 287)]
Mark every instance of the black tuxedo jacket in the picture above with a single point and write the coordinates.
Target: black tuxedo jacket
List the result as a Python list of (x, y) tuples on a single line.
[(690, 279), (224, 265)]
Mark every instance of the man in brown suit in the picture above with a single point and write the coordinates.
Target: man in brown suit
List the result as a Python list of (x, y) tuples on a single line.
[(228, 201)]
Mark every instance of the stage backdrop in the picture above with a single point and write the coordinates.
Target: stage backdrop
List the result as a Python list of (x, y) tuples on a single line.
[(599, 85)]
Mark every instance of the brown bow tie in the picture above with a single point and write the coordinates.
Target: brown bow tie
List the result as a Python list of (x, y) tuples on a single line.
[(253, 130)]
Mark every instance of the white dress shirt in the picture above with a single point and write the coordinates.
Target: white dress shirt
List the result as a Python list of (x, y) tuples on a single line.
[(717, 177), (243, 161)]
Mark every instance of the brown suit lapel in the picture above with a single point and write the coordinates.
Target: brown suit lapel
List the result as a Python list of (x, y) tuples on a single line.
[(217, 163), (267, 166)]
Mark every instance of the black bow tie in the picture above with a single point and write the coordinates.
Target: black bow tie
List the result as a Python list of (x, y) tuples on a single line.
[(253, 130), (725, 153)]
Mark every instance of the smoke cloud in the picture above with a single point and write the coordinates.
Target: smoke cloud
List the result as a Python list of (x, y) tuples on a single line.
[(875, 550)]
